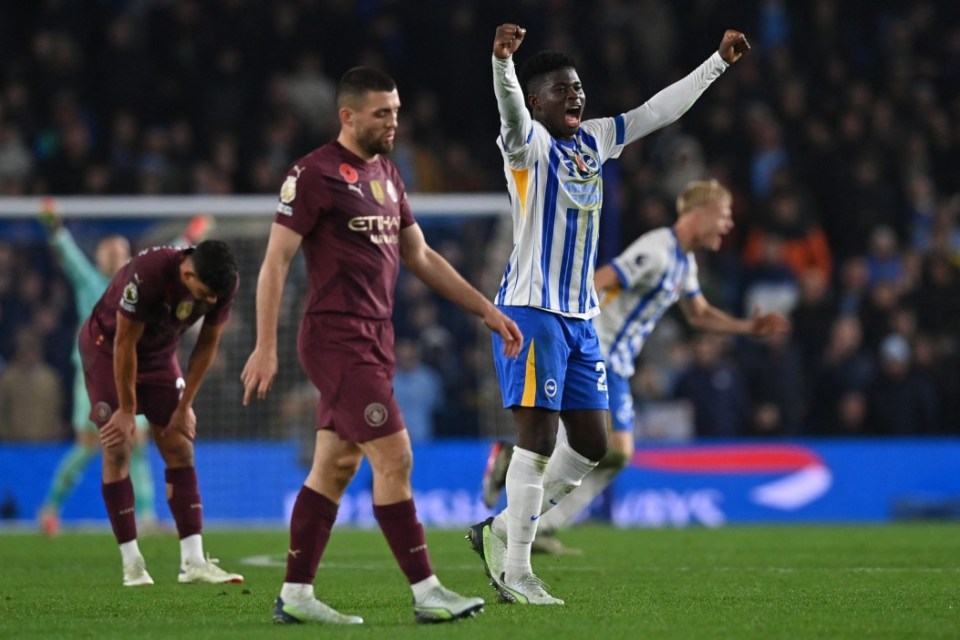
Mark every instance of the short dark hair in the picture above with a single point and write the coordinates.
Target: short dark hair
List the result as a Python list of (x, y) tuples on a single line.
[(215, 266), (358, 81), (539, 65)]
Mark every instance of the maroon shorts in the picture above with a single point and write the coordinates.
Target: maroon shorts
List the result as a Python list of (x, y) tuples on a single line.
[(159, 384), (350, 361)]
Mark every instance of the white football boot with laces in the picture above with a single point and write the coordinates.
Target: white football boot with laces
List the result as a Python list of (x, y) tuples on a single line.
[(527, 589), (206, 573), (309, 609), (135, 573), (443, 605)]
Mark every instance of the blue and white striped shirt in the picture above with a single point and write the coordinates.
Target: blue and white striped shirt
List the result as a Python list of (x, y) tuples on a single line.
[(556, 189), (653, 273)]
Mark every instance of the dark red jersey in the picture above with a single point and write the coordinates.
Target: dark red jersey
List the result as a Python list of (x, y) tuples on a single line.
[(148, 289), (350, 214)]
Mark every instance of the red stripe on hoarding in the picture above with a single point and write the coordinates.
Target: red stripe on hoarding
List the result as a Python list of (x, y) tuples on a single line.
[(728, 459)]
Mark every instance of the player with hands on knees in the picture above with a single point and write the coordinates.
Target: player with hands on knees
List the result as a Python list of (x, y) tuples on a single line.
[(128, 347)]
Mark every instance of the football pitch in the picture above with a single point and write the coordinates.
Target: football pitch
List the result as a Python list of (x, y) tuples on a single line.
[(900, 581)]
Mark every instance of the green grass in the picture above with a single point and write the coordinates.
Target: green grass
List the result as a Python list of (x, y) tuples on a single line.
[(774, 582)]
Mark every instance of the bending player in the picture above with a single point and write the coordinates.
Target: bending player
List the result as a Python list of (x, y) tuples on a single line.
[(657, 270), (553, 167), (128, 348), (89, 281)]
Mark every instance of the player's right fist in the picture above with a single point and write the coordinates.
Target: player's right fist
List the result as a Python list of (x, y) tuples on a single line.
[(508, 39), (48, 214)]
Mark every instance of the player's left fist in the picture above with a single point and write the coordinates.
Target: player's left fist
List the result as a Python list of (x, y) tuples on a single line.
[(733, 46)]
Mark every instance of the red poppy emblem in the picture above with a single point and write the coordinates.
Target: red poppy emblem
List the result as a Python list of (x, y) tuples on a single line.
[(348, 173)]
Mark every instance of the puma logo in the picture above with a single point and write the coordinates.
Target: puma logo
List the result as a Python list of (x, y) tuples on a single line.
[(418, 549), (293, 552), (124, 512), (196, 506), (355, 187)]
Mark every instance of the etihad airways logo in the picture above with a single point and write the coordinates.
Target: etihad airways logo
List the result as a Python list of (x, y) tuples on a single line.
[(385, 228)]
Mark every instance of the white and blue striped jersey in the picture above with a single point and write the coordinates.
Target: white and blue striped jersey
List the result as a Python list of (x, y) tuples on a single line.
[(556, 189), (653, 274)]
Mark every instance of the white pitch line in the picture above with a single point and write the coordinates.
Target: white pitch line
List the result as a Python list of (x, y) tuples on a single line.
[(276, 560)]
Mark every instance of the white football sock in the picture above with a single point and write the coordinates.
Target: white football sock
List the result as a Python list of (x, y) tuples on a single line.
[(577, 500), (564, 473), (191, 550), (129, 551), (296, 592), (524, 496), (422, 588)]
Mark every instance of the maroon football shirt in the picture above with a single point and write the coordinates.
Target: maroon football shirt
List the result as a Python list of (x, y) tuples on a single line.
[(350, 213), (148, 289)]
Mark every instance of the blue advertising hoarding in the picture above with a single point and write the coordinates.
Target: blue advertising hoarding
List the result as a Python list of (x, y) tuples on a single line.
[(665, 486)]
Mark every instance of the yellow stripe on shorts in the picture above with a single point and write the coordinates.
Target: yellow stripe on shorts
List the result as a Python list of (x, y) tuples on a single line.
[(530, 380)]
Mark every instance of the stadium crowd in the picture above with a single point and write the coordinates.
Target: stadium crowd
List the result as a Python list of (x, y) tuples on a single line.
[(837, 135)]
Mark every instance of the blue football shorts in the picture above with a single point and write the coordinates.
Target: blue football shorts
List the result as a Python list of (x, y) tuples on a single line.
[(559, 367), (621, 402)]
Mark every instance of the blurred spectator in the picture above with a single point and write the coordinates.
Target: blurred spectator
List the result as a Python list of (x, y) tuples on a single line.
[(884, 263), (802, 244), (938, 297), (774, 374), (769, 285), (312, 96), (16, 161), (298, 415), (418, 389), (901, 401), (31, 395), (769, 153), (717, 390), (811, 321), (937, 360), (842, 377)]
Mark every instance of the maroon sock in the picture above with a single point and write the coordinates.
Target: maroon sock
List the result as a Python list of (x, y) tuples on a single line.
[(404, 534), (310, 525), (118, 497), (184, 500)]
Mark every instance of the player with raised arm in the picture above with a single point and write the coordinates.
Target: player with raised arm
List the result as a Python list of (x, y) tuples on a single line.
[(656, 271), (128, 346), (553, 163), (346, 205), (89, 280)]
